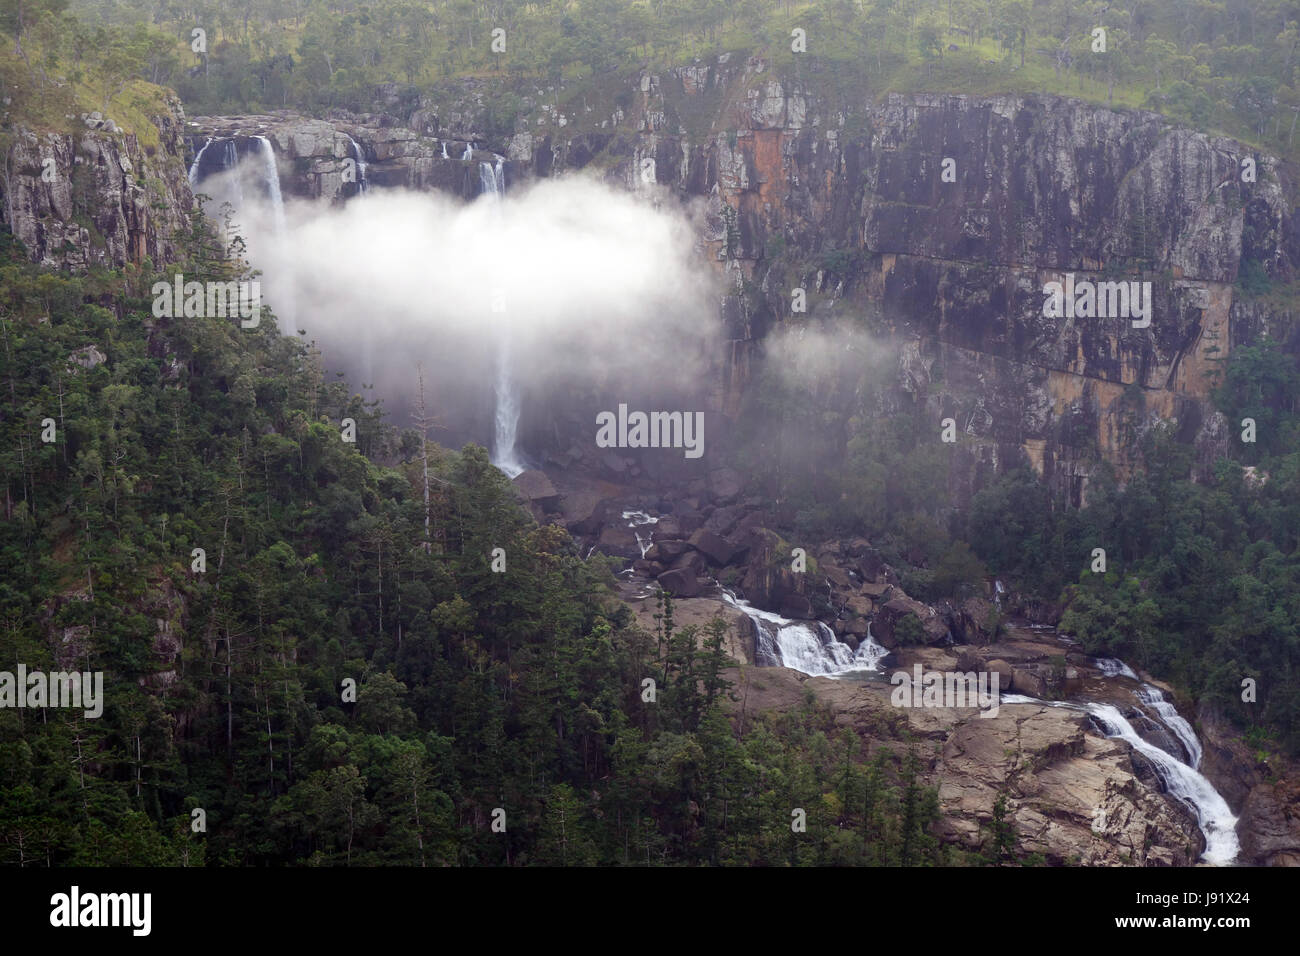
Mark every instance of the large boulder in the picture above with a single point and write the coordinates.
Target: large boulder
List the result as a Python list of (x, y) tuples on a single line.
[(723, 520), (680, 582), (536, 487), (714, 547), (889, 618), (581, 510), (667, 550), (619, 542), (692, 561)]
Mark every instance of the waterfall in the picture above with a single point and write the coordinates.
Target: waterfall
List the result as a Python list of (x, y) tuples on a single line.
[(1111, 667), (489, 181), (1170, 717), (194, 167), (504, 455), (1216, 821), (499, 176), (362, 184), (806, 646), (1184, 781), (506, 420), (271, 179), (638, 519), (231, 163), (444, 150), (469, 152)]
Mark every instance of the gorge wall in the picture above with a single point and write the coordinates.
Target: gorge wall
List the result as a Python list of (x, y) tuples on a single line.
[(848, 201), (801, 187)]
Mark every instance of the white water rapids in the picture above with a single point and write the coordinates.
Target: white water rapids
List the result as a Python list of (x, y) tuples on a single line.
[(806, 646)]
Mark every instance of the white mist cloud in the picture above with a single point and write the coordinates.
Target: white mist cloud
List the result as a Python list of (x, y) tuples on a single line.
[(597, 285)]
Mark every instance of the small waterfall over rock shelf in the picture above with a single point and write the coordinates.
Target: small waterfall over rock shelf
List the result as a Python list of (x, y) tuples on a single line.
[(363, 185), (637, 520), (444, 150), (1111, 667), (809, 647), (198, 157), (469, 152)]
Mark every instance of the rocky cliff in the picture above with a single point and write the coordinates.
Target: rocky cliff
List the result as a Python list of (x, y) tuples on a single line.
[(96, 195), (933, 221)]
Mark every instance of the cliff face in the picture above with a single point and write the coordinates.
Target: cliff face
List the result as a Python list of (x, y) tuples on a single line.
[(853, 202), (96, 197)]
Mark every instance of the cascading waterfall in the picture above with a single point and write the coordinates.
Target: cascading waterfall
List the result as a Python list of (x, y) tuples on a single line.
[(362, 184), (1216, 821), (198, 157), (1111, 667), (469, 152), (806, 646), (637, 520), (1170, 717), (444, 150)]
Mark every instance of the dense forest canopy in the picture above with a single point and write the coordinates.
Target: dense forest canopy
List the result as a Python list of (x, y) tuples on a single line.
[(1230, 65)]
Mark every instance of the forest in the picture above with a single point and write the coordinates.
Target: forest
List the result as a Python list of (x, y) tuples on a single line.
[(474, 691), (1229, 66)]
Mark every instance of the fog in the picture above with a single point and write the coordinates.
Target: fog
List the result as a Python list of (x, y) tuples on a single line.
[(591, 286)]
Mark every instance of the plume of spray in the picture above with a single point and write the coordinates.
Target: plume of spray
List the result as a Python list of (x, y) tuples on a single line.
[(602, 292)]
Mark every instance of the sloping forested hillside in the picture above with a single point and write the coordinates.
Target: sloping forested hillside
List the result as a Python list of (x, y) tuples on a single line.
[(477, 691)]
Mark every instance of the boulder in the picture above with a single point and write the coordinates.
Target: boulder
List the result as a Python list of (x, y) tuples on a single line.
[(667, 550), (692, 561), (796, 606), (620, 542), (714, 547), (875, 590), (536, 487), (725, 485), (855, 626), (835, 574), (669, 526), (888, 618), (680, 582), (581, 511), (859, 605), (87, 357), (723, 520), (1006, 675), (1027, 681)]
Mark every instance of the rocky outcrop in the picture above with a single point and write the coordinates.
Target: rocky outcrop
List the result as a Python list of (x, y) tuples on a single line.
[(1260, 788), (95, 196)]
